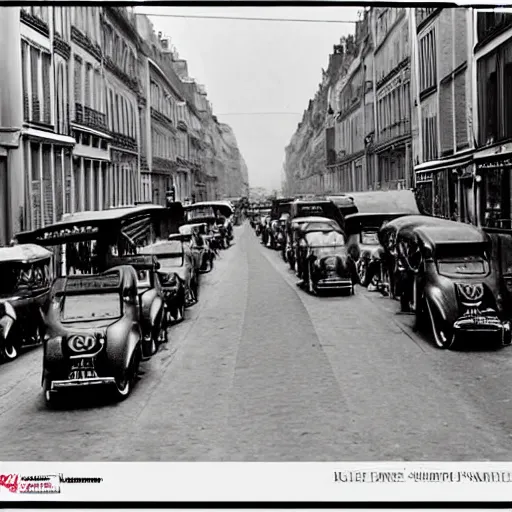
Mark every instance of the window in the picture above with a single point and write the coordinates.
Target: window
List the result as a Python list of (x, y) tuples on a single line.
[(487, 73), (446, 117), (78, 80), (430, 137), (489, 23), (87, 92), (461, 127), (428, 61), (34, 72)]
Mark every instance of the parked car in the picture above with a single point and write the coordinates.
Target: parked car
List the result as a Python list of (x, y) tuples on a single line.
[(27, 276), (323, 260), (153, 317), (292, 238), (95, 335), (373, 210), (178, 273), (446, 277)]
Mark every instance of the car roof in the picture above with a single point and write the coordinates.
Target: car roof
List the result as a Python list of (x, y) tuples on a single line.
[(24, 253), (385, 202), (459, 233)]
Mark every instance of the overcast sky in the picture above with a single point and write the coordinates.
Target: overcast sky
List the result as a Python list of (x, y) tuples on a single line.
[(257, 67)]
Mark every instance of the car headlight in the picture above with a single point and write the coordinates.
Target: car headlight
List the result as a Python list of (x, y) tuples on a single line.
[(85, 344)]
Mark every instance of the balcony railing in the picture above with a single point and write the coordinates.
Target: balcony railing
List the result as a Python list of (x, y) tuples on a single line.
[(394, 131), (123, 141), (91, 118)]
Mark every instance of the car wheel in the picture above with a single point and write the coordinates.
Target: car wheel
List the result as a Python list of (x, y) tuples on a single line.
[(124, 384), (362, 272), (9, 351), (443, 335)]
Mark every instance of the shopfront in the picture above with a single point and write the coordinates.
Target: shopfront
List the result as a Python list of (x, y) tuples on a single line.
[(494, 191), (436, 193)]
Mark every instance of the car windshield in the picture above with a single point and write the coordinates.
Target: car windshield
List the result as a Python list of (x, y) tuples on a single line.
[(98, 306)]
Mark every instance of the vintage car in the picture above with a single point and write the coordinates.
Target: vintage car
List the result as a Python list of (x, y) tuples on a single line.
[(178, 275), (390, 262), (153, 318), (323, 262), (295, 233), (217, 215), (373, 210), (27, 276), (279, 235), (198, 237), (447, 277), (94, 333)]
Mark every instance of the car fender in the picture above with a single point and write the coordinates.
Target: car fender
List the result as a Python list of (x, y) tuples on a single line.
[(53, 355), (443, 299), (121, 341), (155, 310)]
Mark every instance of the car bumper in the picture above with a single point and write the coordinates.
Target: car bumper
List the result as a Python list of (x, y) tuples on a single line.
[(74, 383), (334, 283), (480, 327)]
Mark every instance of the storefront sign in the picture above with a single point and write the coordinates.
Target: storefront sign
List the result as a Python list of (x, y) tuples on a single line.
[(498, 164)]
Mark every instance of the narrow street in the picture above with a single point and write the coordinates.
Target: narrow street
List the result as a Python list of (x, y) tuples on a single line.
[(262, 371)]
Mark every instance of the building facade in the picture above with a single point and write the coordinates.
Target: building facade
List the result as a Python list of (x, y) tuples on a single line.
[(94, 116), (443, 146), (492, 107), (392, 94)]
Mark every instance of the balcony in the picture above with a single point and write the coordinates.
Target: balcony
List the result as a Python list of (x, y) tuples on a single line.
[(122, 141), (91, 118)]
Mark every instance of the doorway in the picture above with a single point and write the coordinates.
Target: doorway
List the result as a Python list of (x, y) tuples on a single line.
[(4, 206)]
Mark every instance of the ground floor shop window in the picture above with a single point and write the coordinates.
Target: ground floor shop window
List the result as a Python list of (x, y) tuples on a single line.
[(495, 197), (424, 196), (444, 203), (466, 202)]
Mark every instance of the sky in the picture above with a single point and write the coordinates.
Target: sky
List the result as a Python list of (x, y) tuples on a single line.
[(256, 67)]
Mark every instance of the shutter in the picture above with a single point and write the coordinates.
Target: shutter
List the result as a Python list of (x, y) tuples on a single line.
[(47, 99), (24, 56), (461, 126), (446, 117), (59, 207), (34, 70), (47, 186)]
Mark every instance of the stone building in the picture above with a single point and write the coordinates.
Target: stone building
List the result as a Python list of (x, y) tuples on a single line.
[(120, 56), (492, 111), (442, 95), (96, 112), (392, 92), (366, 128)]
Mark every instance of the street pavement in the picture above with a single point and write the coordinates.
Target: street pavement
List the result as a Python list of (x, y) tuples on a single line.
[(262, 371)]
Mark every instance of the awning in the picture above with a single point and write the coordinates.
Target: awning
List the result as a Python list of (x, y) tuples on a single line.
[(53, 138), (453, 162), (91, 131)]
